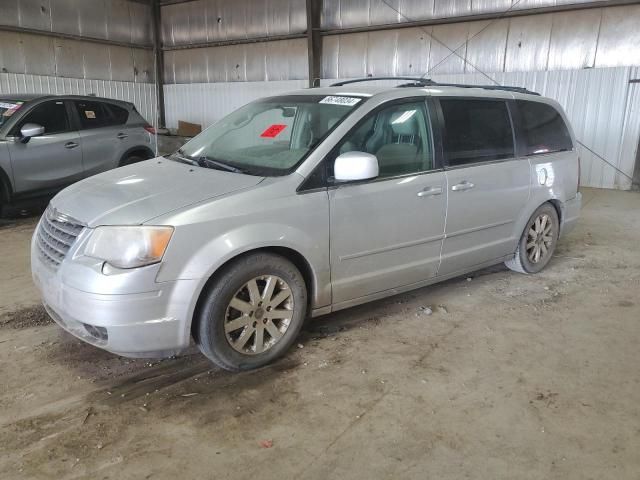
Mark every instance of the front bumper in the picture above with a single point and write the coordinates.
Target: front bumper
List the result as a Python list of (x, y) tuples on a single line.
[(132, 315), (571, 213)]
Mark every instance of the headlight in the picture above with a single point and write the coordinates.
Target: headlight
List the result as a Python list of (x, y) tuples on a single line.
[(129, 247)]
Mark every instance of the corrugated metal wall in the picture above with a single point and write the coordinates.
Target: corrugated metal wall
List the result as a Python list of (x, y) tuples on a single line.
[(202, 21), (357, 13), (277, 60), (43, 55), (39, 52), (117, 20), (142, 95), (599, 37)]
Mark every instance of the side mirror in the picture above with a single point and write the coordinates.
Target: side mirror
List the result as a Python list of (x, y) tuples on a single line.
[(352, 166), (29, 130)]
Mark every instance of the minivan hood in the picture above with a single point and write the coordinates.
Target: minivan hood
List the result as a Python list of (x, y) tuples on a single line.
[(137, 193)]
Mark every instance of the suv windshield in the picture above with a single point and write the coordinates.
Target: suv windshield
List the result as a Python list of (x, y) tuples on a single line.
[(8, 108), (270, 136)]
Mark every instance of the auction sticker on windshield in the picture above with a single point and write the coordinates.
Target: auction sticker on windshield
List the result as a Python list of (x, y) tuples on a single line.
[(273, 131), (346, 101)]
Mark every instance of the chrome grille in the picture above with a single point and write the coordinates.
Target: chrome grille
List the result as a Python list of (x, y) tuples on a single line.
[(56, 235)]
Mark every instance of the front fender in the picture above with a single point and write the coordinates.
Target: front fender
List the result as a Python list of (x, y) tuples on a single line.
[(200, 264)]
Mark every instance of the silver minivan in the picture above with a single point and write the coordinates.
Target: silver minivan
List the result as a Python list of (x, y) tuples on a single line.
[(47, 142), (302, 204)]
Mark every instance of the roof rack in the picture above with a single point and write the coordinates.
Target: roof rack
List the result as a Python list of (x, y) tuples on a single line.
[(427, 82), (373, 79)]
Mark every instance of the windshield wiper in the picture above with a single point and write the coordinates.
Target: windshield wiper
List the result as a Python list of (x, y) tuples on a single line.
[(181, 157), (208, 162)]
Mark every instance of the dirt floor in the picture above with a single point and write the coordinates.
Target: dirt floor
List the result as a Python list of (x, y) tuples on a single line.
[(511, 376)]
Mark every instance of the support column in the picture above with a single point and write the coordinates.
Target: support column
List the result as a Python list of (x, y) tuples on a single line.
[(314, 41), (158, 60)]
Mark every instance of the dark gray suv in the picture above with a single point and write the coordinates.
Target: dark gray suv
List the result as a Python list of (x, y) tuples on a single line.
[(48, 142)]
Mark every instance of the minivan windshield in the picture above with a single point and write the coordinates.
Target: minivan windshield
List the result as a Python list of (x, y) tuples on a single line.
[(268, 137), (8, 108)]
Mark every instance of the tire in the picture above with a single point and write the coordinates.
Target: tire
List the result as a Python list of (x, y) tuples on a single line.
[(4, 196), (131, 159), (526, 260), (244, 336)]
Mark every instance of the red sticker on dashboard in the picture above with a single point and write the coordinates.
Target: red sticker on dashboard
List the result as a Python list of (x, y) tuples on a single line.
[(273, 131)]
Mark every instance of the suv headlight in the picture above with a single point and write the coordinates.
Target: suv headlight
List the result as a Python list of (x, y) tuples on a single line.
[(129, 247)]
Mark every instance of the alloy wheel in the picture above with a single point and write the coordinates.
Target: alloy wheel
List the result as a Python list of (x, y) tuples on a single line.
[(539, 238), (259, 314)]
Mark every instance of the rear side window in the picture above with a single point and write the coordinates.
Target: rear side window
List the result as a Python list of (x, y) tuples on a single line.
[(119, 115), (93, 114), (51, 115), (543, 128), (476, 131)]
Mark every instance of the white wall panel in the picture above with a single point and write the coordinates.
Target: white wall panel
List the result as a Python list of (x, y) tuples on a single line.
[(450, 8), (357, 13), (412, 56), (142, 95), (34, 14), (120, 20), (444, 39), (201, 21), (528, 43), (278, 60), (487, 44), (489, 6), (619, 40), (205, 103), (565, 40), (574, 37)]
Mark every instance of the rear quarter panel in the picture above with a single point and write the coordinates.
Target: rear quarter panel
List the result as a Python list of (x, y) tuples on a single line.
[(554, 176), (138, 139)]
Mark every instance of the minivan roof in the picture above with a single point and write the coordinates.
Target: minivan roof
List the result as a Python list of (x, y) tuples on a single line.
[(395, 92)]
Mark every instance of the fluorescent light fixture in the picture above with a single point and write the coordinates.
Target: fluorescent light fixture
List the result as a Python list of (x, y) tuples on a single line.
[(404, 117)]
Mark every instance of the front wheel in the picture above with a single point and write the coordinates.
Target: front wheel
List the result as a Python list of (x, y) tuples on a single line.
[(252, 312), (538, 241)]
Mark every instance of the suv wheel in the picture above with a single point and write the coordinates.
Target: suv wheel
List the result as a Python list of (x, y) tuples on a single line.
[(538, 241), (131, 159), (252, 313)]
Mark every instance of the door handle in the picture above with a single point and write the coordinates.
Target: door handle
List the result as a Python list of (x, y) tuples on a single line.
[(122, 136), (460, 187), (70, 145), (430, 191)]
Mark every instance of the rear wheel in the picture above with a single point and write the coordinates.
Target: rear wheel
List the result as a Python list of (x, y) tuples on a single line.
[(252, 312), (133, 158), (538, 241)]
